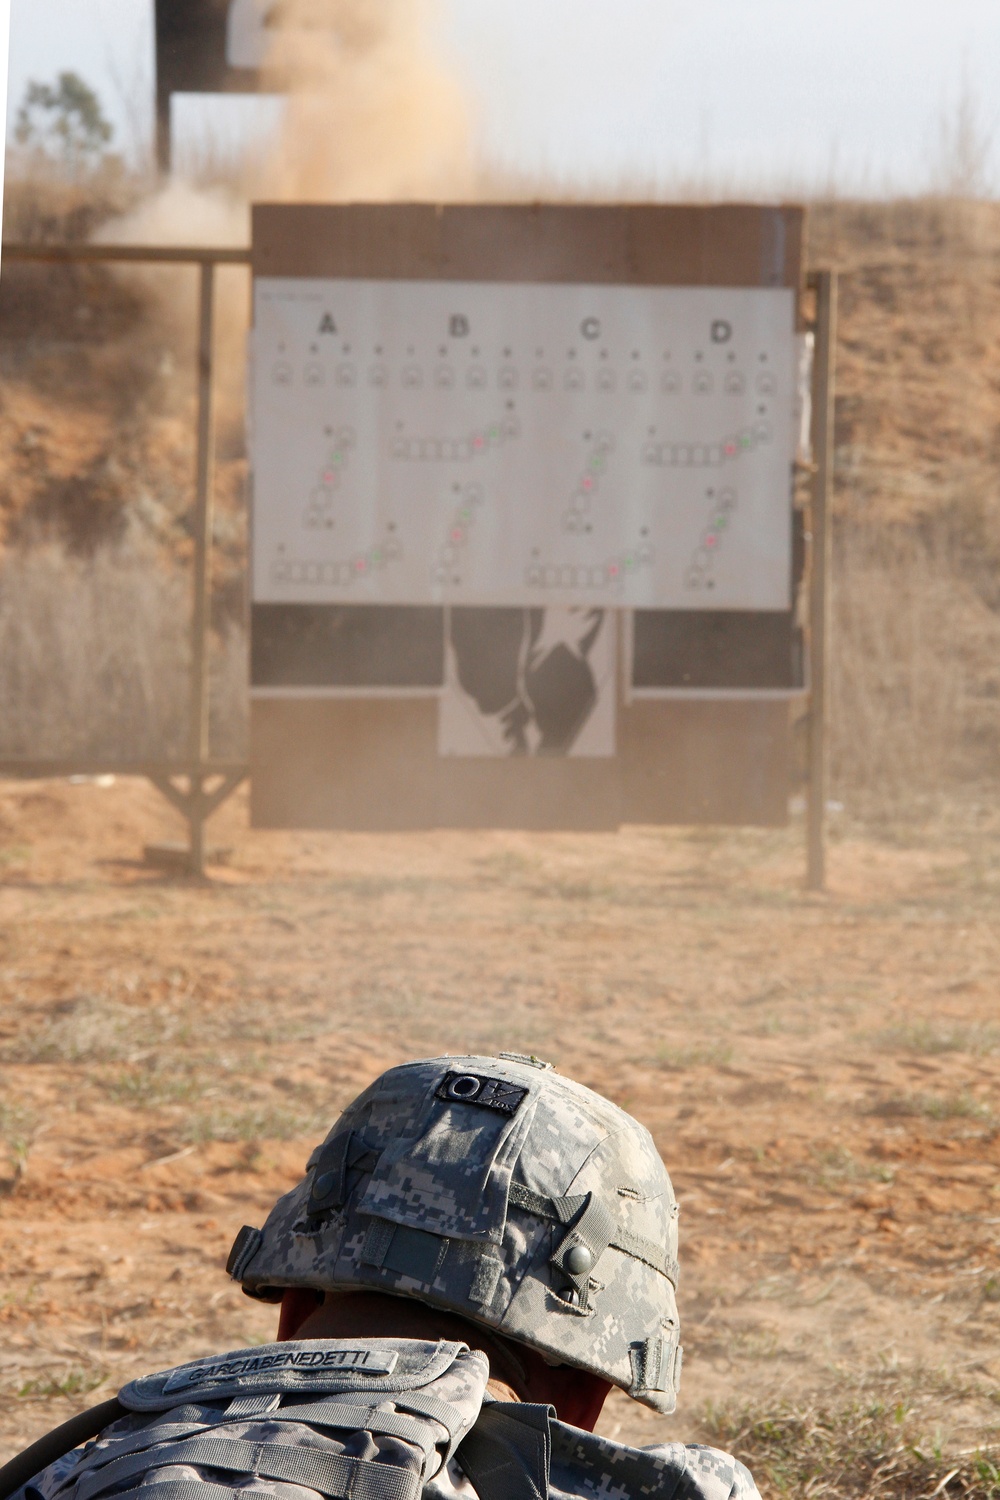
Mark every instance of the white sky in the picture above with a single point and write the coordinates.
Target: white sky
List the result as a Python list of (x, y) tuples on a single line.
[(4, 42), (748, 93)]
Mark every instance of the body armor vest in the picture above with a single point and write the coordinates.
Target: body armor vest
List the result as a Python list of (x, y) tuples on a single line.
[(362, 1419)]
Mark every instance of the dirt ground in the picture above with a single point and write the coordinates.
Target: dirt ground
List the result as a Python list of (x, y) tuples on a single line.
[(820, 1073)]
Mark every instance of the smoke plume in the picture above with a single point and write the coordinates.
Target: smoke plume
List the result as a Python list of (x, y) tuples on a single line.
[(373, 111)]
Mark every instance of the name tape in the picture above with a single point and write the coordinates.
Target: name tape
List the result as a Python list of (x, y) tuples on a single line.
[(365, 1361)]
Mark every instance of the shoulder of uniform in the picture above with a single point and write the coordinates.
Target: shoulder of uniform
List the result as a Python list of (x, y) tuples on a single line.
[(583, 1462), (50, 1479), (709, 1474)]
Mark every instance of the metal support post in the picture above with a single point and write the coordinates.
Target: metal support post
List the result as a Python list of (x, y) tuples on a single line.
[(825, 283), (198, 722), (205, 783)]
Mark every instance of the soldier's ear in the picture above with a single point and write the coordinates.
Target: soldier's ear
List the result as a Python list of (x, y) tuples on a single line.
[(296, 1305)]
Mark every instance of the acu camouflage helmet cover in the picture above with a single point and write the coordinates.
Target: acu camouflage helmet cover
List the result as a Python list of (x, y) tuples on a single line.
[(499, 1190)]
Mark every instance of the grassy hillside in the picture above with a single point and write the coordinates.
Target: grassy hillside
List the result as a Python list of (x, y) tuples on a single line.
[(917, 503), (96, 458)]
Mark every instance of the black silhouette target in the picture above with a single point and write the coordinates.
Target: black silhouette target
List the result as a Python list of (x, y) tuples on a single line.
[(529, 682)]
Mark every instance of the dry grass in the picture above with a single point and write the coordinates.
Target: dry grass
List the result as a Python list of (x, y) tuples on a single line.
[(88, 1030), (152, 1060), (18, 1127), (914, 692), (931, 1039), (94, 655), (960, 1105), (96, 431), (44, 203), (878, 1445)]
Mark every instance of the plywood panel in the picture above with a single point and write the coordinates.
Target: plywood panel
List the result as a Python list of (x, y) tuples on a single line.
[(335, 645), (350, 763), (336, 763), (729, 649), (356, 764), (705, 762), (642, 244), (529, 792)]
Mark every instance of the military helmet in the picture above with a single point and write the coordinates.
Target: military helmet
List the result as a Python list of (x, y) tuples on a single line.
[(499, 1190)]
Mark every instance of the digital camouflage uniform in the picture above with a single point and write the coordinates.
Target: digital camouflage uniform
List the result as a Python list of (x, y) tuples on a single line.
[(490, 1187)]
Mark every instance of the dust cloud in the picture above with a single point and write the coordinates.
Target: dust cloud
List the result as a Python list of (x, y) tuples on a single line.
[(182, 213), (374, 113)]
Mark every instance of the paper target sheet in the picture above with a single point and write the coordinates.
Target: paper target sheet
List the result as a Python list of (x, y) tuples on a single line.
[(419, 442), (529, 682)]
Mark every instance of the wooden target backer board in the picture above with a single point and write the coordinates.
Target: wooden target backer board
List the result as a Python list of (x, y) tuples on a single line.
[(344, 711)]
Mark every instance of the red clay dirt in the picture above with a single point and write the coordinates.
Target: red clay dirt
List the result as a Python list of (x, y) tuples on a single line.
[(820, 1074)]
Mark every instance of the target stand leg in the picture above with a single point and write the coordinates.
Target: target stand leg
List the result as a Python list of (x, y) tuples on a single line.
[(196, 802)]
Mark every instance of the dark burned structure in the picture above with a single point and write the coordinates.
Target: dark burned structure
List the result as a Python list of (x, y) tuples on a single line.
[(194, 55)]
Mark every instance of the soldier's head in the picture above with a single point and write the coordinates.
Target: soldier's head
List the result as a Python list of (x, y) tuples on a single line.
[(494, 1191)]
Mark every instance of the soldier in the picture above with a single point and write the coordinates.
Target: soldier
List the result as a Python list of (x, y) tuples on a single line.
[(477, 1241)]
